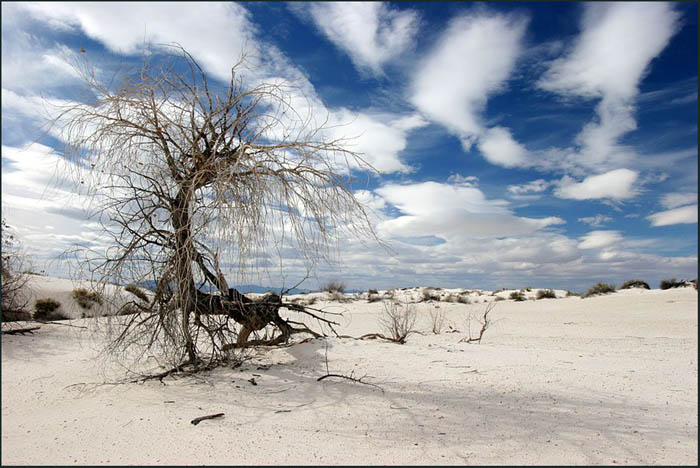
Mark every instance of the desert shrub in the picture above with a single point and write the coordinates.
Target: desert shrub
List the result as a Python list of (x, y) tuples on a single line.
[(47, 309), (462, 299), (668, 283), (635, 283), (312, 300), (672, 283), (570, 293), (334, 286), (437, 321), (599, 288), (501, 298), (374, 291), (517, 296), (398, 321), (528, 288), (546, 294), (136, 291), (85, 298), (429, 294), (374, 298)]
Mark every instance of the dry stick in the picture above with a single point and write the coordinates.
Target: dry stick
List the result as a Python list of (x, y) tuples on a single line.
[(198, 420), (62, 324), (20, 330), (484, 326), (346, 377)]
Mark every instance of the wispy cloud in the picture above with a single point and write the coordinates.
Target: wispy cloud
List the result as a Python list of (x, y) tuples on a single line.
[(616, 185), (683, 215), (599, 239), (676, 199), (469, 214), (596, 221), (472, 60), (370, 33), (617, 43)]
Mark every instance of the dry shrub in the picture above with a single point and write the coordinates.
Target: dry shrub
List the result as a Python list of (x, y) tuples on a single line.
[(546, 294), (47, 309), (85, 298), (334, 286), (136, 291), (437, 321), (398, 321), (374, 298), (571, 294), (462, 299), (372, 291), (429, 294), (635, 283), (517, 296), (599, 288), (500, 298)]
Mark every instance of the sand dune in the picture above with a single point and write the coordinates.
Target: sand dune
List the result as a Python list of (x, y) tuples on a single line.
[(602, 380)]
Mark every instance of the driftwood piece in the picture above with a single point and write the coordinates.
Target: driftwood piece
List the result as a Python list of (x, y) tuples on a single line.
[(198, 420), (20, 331)]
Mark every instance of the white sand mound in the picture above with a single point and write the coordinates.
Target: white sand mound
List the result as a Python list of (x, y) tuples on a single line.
[(61, 290), (603, 380)]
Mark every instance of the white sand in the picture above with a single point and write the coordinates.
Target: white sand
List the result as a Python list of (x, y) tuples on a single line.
[(603, 380)]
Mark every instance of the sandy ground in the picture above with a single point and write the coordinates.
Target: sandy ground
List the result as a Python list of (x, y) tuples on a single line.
[(604, 380)]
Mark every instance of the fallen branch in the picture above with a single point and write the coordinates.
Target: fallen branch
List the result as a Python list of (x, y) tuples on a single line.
[(350, 378), (20, 331), (198, 420)]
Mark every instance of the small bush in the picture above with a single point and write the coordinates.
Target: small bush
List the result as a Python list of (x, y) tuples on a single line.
[(599, 288), (398, 321), (570, 294), (672, 283), (501, 298), (437, 321), (528, 289), (517, 296), (373, 291), (86, 298), (334, 286), (337, 296), (429, 294), (374, 298), (635, 283), (546, 294), (136, 291), (46, 309), (463, 299)]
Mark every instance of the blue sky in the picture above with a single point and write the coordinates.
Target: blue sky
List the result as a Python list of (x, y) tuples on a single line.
[(541, 144)]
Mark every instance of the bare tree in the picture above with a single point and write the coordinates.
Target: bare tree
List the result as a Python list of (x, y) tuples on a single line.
[(186, 172), (14, 292)]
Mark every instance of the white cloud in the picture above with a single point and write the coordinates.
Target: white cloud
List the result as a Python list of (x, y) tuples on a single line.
[(216, 33), (371, 33), (452, 212), (472, 60), (683, 215), (617, 43), (498, 147), (676, 199), (599, 239), (459, 179), (380, 138), (535, 186), (596, 221), (617, 184)]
